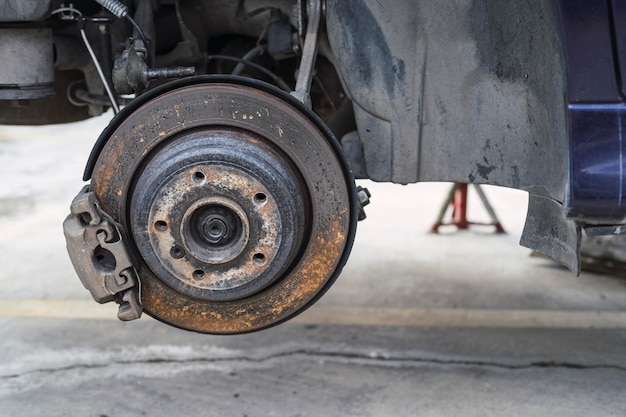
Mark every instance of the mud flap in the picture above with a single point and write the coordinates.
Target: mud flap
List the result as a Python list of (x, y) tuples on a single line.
[(548, 232)]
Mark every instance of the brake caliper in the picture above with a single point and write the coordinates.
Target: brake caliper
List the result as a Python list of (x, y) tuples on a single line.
[(100, 257)]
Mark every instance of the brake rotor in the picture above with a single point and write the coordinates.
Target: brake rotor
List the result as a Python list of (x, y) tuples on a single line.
[(239, 206)]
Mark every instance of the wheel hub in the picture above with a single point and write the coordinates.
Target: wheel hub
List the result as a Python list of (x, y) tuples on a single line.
[(243, 211), (215, 229), (216, 225)]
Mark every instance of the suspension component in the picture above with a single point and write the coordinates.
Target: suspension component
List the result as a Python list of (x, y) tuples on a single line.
[(27, 63), (116, 7), (309, 52), (131, 75)]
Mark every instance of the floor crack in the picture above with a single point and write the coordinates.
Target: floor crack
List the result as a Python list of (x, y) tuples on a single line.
[(346, 357)]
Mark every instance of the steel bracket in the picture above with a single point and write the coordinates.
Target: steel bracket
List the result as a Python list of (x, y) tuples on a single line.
[(309, 52), (100, 257)]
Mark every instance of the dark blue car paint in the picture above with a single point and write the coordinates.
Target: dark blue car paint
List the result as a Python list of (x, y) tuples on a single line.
[(597, 162), (594, 35), (591, 76), (619, 36)]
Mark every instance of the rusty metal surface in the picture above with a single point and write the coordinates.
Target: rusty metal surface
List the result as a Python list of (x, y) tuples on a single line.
[(207, 103), (218, 214)]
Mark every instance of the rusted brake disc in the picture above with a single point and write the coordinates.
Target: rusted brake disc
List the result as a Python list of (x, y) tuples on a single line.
[(238, 204)]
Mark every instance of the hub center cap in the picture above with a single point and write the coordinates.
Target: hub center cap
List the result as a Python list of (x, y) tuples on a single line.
[(215, 230)]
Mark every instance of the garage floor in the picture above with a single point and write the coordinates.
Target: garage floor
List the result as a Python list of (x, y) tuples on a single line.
[(452, 324)]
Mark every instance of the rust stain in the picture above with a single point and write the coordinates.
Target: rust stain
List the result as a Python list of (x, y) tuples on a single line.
[(244, 315)]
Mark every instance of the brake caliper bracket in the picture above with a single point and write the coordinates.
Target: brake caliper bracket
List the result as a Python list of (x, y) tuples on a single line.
[(100, 256)]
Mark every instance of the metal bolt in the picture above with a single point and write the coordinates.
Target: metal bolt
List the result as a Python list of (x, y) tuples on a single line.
[(215, 229), (165, 73), (363, 195)]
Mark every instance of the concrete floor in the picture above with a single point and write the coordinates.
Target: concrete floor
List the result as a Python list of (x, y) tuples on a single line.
[(418, 324)]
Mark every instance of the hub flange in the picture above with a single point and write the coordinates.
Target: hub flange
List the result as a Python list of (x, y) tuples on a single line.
[(218, 214)]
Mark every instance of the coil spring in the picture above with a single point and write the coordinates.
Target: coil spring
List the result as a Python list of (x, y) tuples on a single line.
[(116, 7)]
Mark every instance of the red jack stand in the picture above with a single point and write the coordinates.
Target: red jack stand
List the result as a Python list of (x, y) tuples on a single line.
[(458, 199)]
